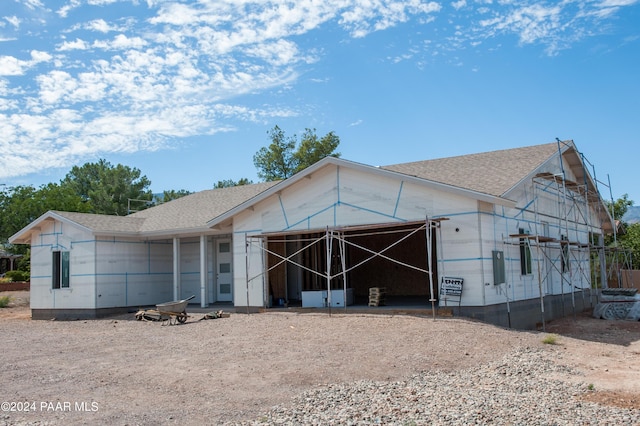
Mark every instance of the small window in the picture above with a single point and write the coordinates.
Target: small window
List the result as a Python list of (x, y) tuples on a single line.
[(525, 254), (566, 264), (225, 268), (60, 272), (224, 247)]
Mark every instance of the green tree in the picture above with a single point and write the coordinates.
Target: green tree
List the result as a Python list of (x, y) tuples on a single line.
[(173, 195), (631, 240), (619, 207), (281, 159), (21, 205), (630, 237), (275, 162), (228, 183), (311, 149), (108, 188)]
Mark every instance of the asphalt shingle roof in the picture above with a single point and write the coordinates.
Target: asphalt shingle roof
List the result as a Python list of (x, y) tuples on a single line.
[(195, 210), (103, 222), (492, 173)]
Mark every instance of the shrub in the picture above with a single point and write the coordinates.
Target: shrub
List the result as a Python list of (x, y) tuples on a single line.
[(550, 339), (4, 301), (17, 276)]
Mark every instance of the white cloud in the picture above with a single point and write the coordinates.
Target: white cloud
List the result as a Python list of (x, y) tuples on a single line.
[(366, 17), (33, 4), (38, 56), (101, 2), (617, 3), (99, 25), (138, 83), (63, 12), (55, 86), (77, 44), (13, 20), (11, 66), (281, 52), (120, 42), (459, 4)]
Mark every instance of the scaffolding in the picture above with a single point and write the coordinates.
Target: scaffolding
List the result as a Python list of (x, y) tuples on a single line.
[(571, 253), (335, 266)]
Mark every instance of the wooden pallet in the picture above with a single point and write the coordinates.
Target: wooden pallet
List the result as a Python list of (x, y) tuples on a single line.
[(377, 296)]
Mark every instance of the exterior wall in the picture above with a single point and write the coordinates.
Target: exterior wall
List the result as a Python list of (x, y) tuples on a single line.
[(108, 275), (190, 269), (133, 273), (542, 210), (334, 197), (140, 273), (81, 294)]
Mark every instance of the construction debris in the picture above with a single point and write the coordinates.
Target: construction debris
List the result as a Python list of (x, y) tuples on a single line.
[(215, 315), (618, 303)]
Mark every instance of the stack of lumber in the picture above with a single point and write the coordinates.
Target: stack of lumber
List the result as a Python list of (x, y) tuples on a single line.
[(377, 296)]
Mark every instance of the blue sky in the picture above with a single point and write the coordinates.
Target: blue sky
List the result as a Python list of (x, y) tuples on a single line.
[(186, 91)]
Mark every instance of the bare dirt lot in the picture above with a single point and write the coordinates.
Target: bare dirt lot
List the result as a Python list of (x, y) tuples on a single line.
[(122, 371)]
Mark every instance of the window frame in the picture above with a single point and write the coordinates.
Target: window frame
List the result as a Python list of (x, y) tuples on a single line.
[(526, 267), (60, 270), (566, 262)]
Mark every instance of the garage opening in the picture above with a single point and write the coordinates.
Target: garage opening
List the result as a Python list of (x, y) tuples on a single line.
[(353, 260)]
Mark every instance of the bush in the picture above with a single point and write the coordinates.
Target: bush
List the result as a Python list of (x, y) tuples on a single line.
[(4, 301), (17, 276)]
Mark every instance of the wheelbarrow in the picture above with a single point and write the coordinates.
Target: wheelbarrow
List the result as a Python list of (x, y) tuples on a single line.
[(176, 309)]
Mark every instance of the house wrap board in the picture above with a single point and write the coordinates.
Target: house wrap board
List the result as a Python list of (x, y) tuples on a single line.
[(487, 200)]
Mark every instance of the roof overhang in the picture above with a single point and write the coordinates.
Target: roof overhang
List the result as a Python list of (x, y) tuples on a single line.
[(179, 233), (24, 235)]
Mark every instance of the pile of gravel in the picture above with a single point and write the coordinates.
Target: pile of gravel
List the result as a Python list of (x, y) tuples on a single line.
[(518, 389)]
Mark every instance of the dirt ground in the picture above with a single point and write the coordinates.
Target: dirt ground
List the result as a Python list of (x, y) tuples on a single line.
[(122, 371)]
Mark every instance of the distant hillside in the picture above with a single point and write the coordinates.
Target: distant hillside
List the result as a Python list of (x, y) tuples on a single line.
[(632, 215)]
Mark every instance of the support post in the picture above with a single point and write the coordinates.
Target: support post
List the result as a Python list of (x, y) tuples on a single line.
[(246, 265), (430, 266), (204, 302), (176, 269), (328, 252)]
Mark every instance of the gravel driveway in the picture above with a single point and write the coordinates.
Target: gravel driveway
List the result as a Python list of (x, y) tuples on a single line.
[(312, 368)]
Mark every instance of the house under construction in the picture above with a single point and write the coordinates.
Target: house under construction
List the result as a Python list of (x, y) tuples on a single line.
[(510, 237)]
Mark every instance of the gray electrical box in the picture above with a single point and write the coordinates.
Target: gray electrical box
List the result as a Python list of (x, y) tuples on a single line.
[(498, 267)]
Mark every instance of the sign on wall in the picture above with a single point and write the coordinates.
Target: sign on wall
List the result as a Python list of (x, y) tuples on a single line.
[(451, 286)]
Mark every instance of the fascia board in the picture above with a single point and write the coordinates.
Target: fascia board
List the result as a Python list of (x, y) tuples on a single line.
[(178, 233)]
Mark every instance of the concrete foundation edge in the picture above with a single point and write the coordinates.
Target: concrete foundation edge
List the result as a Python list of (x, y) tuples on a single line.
[(78, 314), (527, 314)]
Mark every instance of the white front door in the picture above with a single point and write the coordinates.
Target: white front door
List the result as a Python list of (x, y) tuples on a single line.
[(224, 274)]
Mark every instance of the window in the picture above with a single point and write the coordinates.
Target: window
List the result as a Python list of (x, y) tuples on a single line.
[(525, 254), (225, 268), (565, 254), (60, 273)]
